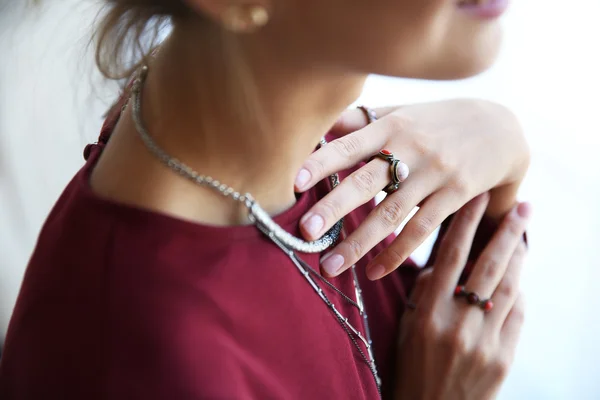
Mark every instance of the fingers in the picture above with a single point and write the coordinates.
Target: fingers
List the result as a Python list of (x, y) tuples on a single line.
[(491, 265), (354, 119), (357, 189), (348, 151), (430, 216), (507, 292), (423, 282), (456, 245), (339, 155), (379, 224), (511, 330)]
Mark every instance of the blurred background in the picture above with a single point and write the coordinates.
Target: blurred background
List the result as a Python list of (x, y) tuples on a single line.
[(52, 101)]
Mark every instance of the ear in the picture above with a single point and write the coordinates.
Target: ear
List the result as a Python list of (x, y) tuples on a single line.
[(239, 16)]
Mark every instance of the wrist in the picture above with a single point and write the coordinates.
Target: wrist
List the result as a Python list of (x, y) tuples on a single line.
[(502, 200), (513, 137), (503, 197)]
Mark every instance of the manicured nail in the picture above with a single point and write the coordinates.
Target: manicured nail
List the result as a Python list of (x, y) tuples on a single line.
[(314, 225), (302, 178), (332, 263), (524, 210), (376, 272)]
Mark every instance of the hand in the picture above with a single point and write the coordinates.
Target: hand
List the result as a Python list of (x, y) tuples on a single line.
[(455, 150), (449, 349)]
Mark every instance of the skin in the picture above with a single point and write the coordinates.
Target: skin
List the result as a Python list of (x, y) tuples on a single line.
[(464, 353), (233, 105), (448, 169)]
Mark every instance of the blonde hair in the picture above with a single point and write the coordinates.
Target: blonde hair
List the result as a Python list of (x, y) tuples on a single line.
[(128, 32)]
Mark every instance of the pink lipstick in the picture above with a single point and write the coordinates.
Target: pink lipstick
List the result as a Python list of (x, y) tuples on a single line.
[(484, 9)]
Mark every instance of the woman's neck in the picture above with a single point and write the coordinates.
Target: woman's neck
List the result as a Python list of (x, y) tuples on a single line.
[(252, 133)]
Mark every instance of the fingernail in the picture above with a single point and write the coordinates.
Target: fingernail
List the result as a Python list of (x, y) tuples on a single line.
[(376, 272), (302, 178), (524, 210), (332, 263), (314, 225)]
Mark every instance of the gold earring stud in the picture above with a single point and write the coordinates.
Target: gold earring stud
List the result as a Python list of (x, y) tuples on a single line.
[(259, 16)]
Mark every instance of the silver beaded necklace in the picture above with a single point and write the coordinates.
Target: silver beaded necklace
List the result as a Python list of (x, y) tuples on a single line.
[(288, 243)]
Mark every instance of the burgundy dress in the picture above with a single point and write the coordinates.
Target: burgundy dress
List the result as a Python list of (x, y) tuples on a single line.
[(119, 302)]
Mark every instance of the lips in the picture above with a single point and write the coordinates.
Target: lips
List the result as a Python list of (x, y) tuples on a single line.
[(473, 2), (483, 9), (463, 3)]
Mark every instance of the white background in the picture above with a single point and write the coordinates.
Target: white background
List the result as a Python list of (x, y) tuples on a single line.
[(548, 73)]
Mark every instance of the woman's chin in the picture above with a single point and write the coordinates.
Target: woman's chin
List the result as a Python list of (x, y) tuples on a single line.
[(464, 71), (443, 71), (459, 61), (448, 69)]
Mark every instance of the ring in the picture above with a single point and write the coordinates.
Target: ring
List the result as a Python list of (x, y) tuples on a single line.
[(473, 299), (370, 114), (398, 170)]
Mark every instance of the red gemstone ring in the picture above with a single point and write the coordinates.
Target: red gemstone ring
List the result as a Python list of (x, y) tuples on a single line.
[(473, 299), (398, 170)]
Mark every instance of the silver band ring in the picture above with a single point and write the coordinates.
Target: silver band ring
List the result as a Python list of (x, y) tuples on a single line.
[(370, 114)]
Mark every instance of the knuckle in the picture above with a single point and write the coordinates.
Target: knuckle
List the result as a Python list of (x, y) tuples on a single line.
[(459, 186), (423, 281), (365, 180), (519, 316), (356, 248), (514, 226), (316, 167), (454, 254), (391, 212), (397, 122), (421, 147), (348, 145), (518, 310), (507, 290), (424, 277), (440, 163), (394, 256), (490, 267), (501, 367), (432, 331), (332, 209), (456, 342), (483, 356), (469, 215), (422, 227)]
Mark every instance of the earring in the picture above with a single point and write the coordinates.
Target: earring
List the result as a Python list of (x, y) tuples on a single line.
[(241, 19), (259, 16)]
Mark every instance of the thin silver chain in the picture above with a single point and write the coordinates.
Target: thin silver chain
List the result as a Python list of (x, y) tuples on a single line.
[(256, 212), (285, 241)]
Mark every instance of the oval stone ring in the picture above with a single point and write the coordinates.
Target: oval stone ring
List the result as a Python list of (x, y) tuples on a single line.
[(399, 171)]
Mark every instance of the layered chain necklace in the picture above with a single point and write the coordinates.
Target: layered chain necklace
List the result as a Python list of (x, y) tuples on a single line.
[(288, 243)]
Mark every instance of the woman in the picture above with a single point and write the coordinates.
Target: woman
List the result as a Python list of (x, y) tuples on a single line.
[(152, 279)]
